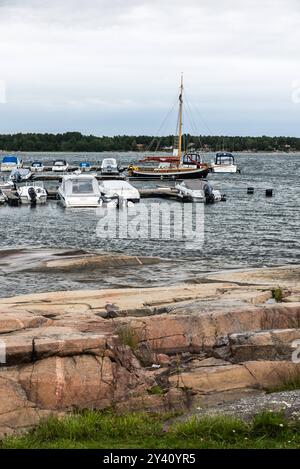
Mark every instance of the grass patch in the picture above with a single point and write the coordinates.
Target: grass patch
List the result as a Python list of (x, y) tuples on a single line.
[(94, 429), (129, 336), (277, 294), (156, 390)]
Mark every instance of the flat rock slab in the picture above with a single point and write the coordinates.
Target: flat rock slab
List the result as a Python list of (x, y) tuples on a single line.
[(62, 260), (284, 276), (247, 407)]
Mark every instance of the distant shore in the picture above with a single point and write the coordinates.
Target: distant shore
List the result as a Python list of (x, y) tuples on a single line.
[(77, 142)]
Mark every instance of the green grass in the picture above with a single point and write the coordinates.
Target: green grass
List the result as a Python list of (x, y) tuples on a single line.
[(157, 389), (129, 336), (277, 294), (93, 429)]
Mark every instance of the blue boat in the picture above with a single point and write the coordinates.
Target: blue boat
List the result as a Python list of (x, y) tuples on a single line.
[(10, 162), (85, 166)]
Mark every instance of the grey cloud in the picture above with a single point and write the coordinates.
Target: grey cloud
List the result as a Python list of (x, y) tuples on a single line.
[(118, 56)]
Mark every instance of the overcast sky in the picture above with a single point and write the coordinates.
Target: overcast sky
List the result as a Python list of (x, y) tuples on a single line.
[(113, 66)]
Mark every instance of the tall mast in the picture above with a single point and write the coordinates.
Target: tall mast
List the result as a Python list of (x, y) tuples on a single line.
[(180, 121)]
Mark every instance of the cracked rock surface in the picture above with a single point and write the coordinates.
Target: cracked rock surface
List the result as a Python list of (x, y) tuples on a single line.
[(200, 344)]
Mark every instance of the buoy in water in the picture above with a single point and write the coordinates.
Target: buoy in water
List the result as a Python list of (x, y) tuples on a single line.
[(269, 192)]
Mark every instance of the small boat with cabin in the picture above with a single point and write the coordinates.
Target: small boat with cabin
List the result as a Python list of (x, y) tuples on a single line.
[(37, 166), (109, 166), (20, 175), (224, 163), (60, 166), (85, 166), (79, 191), (10, 162)]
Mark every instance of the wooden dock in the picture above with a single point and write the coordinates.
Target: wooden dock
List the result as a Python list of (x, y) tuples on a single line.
[(155, 192)]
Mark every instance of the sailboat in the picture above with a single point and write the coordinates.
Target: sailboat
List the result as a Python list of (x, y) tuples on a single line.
[(179, 166)]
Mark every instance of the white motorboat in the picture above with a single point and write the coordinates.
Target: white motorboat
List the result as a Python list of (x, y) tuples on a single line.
[(224, 163), (109, 166), (20, 175), (32, 194), (198, 190), (85, 166), (37, 166), (80, 190), (121, 189), (10, 162), (6, 185), (3, 197), (60, 166)]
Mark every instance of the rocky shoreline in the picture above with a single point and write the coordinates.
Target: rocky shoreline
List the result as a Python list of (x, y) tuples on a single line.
[(190, 346)]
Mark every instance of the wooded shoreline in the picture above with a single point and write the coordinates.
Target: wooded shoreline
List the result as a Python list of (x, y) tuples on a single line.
[(76, 142)]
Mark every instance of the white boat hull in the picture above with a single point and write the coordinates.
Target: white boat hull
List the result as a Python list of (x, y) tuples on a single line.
[(39, 192), (224, 169), (5, 168), (79, 202), (39, 200), (34, 169)]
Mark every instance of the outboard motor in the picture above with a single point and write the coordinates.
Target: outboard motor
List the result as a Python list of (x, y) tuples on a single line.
[(208, 192), (32, 195)]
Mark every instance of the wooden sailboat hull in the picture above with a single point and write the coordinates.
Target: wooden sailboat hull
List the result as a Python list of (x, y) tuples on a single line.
[(170, 174)]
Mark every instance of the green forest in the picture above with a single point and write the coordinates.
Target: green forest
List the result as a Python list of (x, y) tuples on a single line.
[(75, 141)]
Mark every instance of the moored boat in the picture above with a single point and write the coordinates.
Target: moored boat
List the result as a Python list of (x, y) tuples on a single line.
[(3, 197), (198, 191), (84, 166), (224, 163), (37, 166), (20, 175), (79, 190), (168, 171), (6, 185), (175, 167), (60, 166), (32, 194), (109, 166), (10, 162), (121, 189)]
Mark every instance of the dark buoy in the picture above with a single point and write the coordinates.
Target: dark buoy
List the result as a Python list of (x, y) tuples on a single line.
[(269, 192), (250, 190)]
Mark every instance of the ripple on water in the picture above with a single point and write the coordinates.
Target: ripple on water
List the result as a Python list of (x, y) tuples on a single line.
[(244, 231)]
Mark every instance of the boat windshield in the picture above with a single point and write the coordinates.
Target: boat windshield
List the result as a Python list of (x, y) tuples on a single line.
[(195, 184), (82, 186), (189, 158), (225, 158)]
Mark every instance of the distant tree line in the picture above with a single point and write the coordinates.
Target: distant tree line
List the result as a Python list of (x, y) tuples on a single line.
[(75, 141)]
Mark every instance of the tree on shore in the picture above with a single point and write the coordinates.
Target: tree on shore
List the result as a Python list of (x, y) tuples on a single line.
[(75, 141)]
